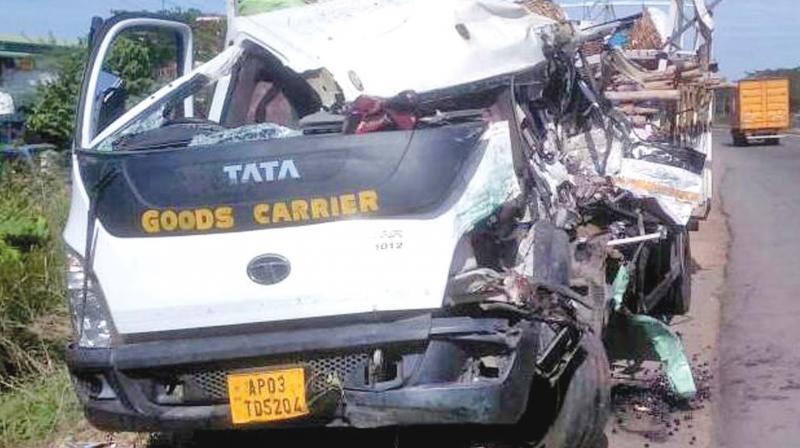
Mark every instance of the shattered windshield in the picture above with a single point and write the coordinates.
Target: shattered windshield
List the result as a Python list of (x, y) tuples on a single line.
[(261, 104)]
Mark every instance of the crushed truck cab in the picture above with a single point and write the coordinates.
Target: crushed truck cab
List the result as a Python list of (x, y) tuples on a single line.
[(369, 214)]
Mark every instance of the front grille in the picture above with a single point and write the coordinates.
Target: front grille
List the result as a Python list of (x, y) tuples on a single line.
[(324, 373), (209, 385)]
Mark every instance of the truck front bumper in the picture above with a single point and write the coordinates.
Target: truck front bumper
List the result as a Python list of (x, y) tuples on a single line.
[(435, 370)]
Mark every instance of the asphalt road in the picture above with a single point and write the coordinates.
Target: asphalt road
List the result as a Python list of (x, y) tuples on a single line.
[(759, 403)]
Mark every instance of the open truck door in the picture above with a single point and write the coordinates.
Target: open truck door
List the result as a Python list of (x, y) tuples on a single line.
[(132, 55)]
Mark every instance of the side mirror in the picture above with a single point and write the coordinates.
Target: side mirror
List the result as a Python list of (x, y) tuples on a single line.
[(110, 99), (97, 23)]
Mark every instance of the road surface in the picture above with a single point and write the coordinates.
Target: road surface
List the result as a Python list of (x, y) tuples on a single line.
[(760, 329)]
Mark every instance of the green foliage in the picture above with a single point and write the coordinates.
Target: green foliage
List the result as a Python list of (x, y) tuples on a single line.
[(35, 409), (131, 60), (52, 116), (20, 228), (209, 36), (135, 57), (33, 322), (209, 39), (249, 7)]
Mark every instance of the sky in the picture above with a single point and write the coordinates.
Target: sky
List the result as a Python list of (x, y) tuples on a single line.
[(70, 19), (751, 34)]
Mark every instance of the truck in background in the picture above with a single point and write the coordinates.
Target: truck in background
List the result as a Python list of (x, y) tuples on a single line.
[(760, 111)]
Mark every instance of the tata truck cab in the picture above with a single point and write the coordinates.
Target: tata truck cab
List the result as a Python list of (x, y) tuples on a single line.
[(357, 214)]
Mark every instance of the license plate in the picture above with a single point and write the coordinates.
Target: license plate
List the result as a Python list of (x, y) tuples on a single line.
[(267, 396)]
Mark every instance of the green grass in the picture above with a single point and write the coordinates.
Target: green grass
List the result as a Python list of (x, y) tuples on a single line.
[(36, 397), (34, 410), (33, 206)]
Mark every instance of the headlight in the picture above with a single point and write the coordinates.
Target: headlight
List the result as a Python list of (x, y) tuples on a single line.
[(91, 321)]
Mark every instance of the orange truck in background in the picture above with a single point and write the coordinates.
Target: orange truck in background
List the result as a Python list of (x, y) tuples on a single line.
[(760, 111)]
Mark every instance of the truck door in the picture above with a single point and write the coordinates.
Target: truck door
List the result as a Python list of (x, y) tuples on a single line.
[(132, 55)]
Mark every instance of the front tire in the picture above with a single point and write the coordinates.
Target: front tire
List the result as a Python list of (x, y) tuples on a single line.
[(581, 402)]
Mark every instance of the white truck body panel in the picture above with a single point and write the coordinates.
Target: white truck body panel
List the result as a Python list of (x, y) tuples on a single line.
[(343, 267), (397, 45)]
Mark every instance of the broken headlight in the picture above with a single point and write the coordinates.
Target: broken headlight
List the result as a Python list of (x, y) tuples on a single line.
[(91, 321)]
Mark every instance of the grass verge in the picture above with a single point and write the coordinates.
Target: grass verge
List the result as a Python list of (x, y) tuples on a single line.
[(33, 208), (36, 398), (32, 411)]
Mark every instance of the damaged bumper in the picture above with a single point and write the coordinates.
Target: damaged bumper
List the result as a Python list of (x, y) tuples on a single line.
[(409, 371)]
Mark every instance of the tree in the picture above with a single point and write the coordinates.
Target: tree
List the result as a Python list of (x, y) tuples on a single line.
[(209, 36), (52, 116), (134, 58), (131, 59)]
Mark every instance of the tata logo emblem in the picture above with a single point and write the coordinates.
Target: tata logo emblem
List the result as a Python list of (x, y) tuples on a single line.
[(261, 172), (268, 269)]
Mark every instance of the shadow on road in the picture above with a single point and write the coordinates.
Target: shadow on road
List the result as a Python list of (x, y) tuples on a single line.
[(441, 437)]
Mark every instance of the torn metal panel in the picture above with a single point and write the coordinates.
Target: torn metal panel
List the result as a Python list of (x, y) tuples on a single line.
[(704, 17), (494, 182), (676, 190), (379, 47), (640, 337), (594, 152), (477, 285), (619, 287)]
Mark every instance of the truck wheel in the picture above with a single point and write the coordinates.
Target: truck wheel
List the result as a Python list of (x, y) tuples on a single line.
[(739, 139), (582, 402)]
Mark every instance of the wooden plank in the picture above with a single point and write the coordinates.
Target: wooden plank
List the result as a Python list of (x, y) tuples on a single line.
[(644, 95)]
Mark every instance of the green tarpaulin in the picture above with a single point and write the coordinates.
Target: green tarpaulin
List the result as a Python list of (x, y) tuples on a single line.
[(250, 7), (639, 336)]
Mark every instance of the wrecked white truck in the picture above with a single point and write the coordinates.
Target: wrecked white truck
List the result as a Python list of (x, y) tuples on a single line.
[(373, 214)]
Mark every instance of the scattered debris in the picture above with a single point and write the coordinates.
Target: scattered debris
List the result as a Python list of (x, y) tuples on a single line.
[(645, 403)]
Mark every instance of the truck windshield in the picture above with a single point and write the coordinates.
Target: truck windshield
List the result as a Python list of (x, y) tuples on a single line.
[(242, 94)]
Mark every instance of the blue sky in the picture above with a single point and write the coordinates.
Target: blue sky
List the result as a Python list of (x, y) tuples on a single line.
[(71, 18), (751, 34)]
